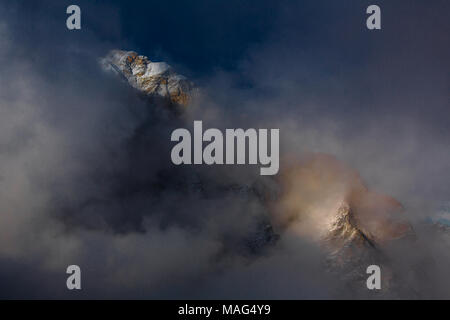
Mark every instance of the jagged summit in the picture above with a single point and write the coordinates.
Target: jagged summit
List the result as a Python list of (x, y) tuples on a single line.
[(343, 231), (151, 78), (327, 202)]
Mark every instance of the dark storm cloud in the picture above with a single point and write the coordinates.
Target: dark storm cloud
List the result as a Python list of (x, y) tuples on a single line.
[(85, 174)]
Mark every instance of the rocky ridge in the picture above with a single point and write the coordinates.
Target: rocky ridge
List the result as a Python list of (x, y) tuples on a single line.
[(152, 78)]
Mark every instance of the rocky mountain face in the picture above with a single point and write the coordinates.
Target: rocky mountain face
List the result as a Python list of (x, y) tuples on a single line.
[(151, 78), (350, 251), (324, 200)]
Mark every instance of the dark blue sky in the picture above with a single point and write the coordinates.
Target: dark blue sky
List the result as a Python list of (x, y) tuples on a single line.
[(303, 42), (204, 35), (200, 35)]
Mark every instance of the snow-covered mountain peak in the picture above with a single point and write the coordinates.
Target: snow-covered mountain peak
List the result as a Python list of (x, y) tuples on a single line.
[(151, 78)]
